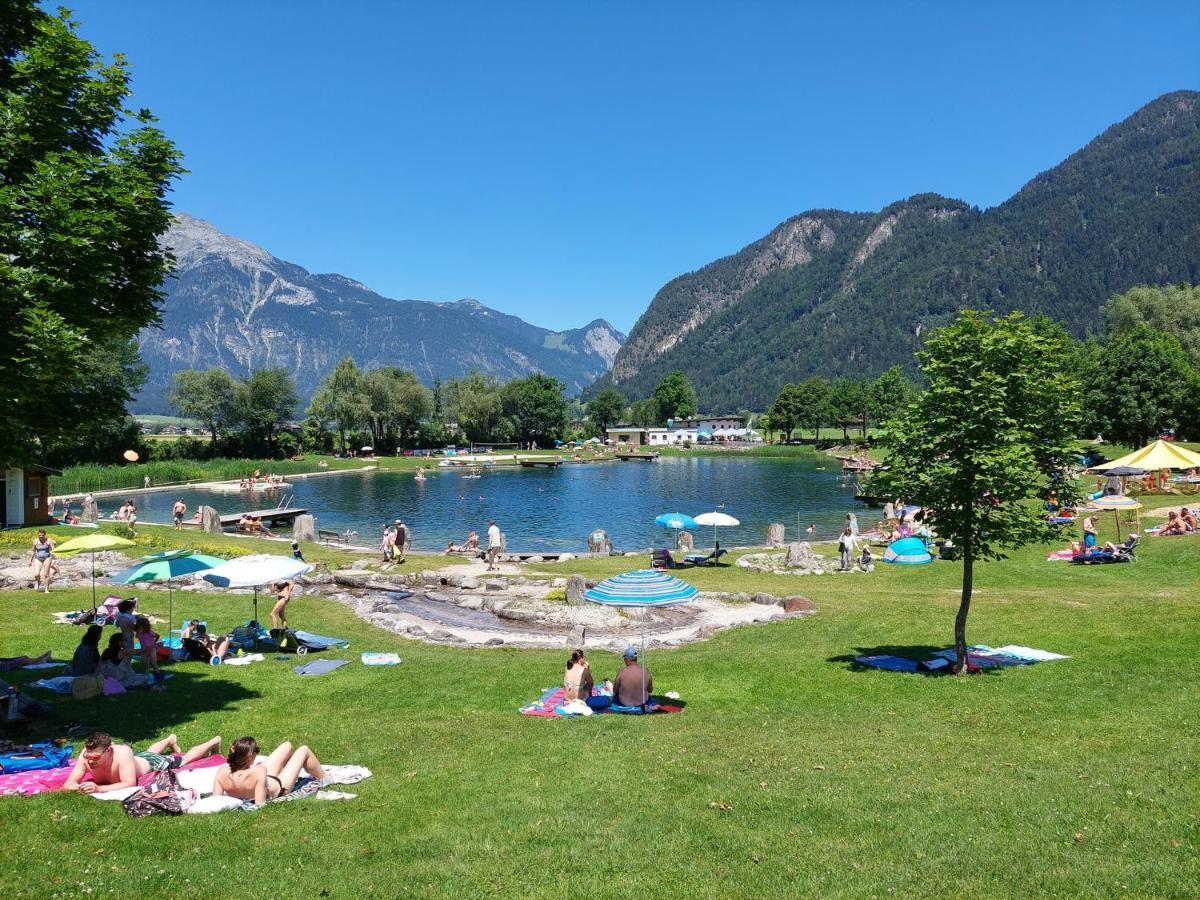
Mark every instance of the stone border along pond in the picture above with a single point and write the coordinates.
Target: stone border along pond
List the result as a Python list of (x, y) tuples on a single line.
[(464, 610)]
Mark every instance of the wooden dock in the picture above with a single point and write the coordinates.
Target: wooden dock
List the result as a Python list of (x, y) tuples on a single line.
[(273, 517), (548, 463), (649, 457)]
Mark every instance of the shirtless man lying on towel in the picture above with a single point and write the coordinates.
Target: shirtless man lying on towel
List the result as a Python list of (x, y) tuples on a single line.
[(115, 766)]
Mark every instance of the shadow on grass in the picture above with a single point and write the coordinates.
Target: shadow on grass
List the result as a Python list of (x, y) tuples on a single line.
[(916, 652), (142, 715)]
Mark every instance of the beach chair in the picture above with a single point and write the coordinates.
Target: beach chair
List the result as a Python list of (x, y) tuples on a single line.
[(662, 559), (1124, 553), (700, 559)]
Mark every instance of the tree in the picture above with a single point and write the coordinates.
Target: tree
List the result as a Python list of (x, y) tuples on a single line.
[(208, 396), (83, 188), (675, 396), (341, 398), (1172, 309), (473, 403), (266, 399), (786, 411), (606, 408), (1145, 384), (993, 432), (645, 413), (814, 404), (849, 400), (536, 406), (890, 393)]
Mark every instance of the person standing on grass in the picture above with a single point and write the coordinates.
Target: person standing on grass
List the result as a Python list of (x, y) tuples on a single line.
[(388, 544), (177, 512), (401, 541), (846, 548), (493, 544), (283, 596), (42, 560), (1089, 533)]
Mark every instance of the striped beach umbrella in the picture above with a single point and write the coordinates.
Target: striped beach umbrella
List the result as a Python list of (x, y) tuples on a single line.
[(166, 566), (641, 589), (1117, 503)]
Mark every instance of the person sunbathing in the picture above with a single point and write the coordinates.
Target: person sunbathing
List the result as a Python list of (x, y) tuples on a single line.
[(18, 662), (201, 645), (114, 766), (1174, 525), (1190, 523), (245, 778), (452, 547)]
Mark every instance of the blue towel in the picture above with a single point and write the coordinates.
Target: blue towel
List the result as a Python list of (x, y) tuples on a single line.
[(888, 663), (321, 666)]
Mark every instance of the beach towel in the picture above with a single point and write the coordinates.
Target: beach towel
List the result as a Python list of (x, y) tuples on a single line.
[(320, 641), (43, 781), (1030, 653), (888, 663), (553, 699), (37, 757), (60, 685), (43, 665), (243, 660), (381, 659), (321, 666)]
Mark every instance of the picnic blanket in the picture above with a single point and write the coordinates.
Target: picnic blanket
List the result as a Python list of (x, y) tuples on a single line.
[(380, 659), (550, 706), (321, 666), (42, 781), (979, 656)]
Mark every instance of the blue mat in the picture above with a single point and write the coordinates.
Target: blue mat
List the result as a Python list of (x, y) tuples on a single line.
[(321, 666)]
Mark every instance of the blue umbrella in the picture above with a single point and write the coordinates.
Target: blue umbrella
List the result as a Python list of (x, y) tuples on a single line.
[(676, 520), (645, 588), (166, 566)]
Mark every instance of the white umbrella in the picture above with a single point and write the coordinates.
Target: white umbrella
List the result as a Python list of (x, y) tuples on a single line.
[(716, 520), (255, 571)]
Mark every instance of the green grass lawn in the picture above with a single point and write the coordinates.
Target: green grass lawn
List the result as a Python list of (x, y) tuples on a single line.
[(789, 773)]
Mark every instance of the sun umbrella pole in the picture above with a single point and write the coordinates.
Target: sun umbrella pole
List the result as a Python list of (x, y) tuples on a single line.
[(93, 585)]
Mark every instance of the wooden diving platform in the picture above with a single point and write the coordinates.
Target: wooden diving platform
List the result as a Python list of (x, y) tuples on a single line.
[(548, 463), (649, 457), (272, 517)]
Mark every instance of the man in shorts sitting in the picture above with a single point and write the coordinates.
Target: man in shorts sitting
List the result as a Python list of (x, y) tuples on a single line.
[(115, 766)]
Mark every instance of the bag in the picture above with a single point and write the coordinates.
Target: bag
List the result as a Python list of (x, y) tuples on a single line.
[(38, 756), (162, 795), (85, 687)]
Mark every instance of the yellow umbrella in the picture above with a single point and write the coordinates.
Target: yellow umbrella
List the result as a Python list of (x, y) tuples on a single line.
[(1159, 455), (93, 544)]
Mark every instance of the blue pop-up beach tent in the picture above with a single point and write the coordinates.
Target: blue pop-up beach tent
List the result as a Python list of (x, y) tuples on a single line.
[(909, 551)]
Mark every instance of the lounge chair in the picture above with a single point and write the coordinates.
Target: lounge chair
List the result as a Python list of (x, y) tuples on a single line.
[(662, 559), (1124, 553), (699, 559)]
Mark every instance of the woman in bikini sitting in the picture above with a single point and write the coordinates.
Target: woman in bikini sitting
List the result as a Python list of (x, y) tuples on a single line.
[(246, 779)]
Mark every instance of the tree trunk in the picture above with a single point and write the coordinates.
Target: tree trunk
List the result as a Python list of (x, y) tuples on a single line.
[(964, 608), (864, 427)]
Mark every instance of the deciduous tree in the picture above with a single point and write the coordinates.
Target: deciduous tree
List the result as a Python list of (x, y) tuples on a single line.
[(676, 397), (209, 396), (605, 408)]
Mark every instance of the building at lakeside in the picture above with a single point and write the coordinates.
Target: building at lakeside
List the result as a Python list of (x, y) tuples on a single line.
[(701, 430), (25, 495)]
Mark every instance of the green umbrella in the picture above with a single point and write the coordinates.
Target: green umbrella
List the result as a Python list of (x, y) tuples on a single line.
[(93, 544), (166, 566)]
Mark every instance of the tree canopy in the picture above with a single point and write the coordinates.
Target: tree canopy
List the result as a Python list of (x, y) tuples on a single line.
[(82, 206), (675, 396)]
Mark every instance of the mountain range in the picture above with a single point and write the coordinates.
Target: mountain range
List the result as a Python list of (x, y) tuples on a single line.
[(234, 305), (851, 293)]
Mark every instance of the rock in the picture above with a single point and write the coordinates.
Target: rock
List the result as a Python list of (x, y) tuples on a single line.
[(535, 559), (440, 634), (598, 543), (566, 557), (471, 602), (632, 553), (800, 606), (765, 599), (438, 597), (800, 556), (577, 636), (210, 521), (520, 580), (495, 604), (496, 584), (575, 588), (416, 631), (493, 642), (345, 579), (469, 583), (319, 578), (558, 582), (516, 614), (775, 534), (360, 564), (739, 597), (304, 529), (452, 580)]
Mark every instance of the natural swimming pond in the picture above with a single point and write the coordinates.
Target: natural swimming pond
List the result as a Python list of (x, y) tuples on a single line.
[(554, 510)]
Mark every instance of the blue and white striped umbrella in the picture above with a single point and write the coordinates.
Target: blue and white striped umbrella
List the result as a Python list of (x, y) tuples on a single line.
[(643, 588)]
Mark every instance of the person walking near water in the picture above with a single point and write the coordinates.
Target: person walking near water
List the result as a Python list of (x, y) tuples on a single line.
[(846, 547), (177, 513), (401, 541), (493, 545)]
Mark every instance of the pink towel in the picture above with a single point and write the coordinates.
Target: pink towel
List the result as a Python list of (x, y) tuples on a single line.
[(41, 781)]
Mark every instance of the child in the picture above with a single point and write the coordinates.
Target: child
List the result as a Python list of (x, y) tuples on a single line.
[(296, 554), (148, 641)]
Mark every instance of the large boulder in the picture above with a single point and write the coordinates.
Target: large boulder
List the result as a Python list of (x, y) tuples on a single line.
[(576, 585), (577, 637), (598, 543), (764, 599), (210, 521), (775, 534), (799, 606), (800, 556), (304, 529)]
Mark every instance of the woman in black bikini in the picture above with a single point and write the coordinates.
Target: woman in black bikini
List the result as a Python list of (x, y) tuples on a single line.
[(246, 779)]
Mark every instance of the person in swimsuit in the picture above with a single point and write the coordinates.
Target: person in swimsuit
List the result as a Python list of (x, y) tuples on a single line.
[(177, 512), (113, 766), (247, 779), (283, 596), (42, 560)]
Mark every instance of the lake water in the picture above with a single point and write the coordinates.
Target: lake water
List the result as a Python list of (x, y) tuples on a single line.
[(554, 510)]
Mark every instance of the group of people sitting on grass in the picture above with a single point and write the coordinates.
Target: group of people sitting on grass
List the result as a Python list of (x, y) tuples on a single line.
[(470, 545), (134, 638), (105, 765), (631, 687), (1182, 522)]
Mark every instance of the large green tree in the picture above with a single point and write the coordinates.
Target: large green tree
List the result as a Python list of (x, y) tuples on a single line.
[(676, 397), (814, 402), (1173, 309), (266, 400), (342, 398), (1144, 384), (83, 185), (605, 408), (536, 406), (208, 396), (473, 404), (992, 434), (786, 411)]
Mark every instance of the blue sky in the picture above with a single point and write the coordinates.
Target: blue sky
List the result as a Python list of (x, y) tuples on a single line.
[(561, 161)]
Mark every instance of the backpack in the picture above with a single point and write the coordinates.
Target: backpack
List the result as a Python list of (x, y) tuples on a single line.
[(162, 795)]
